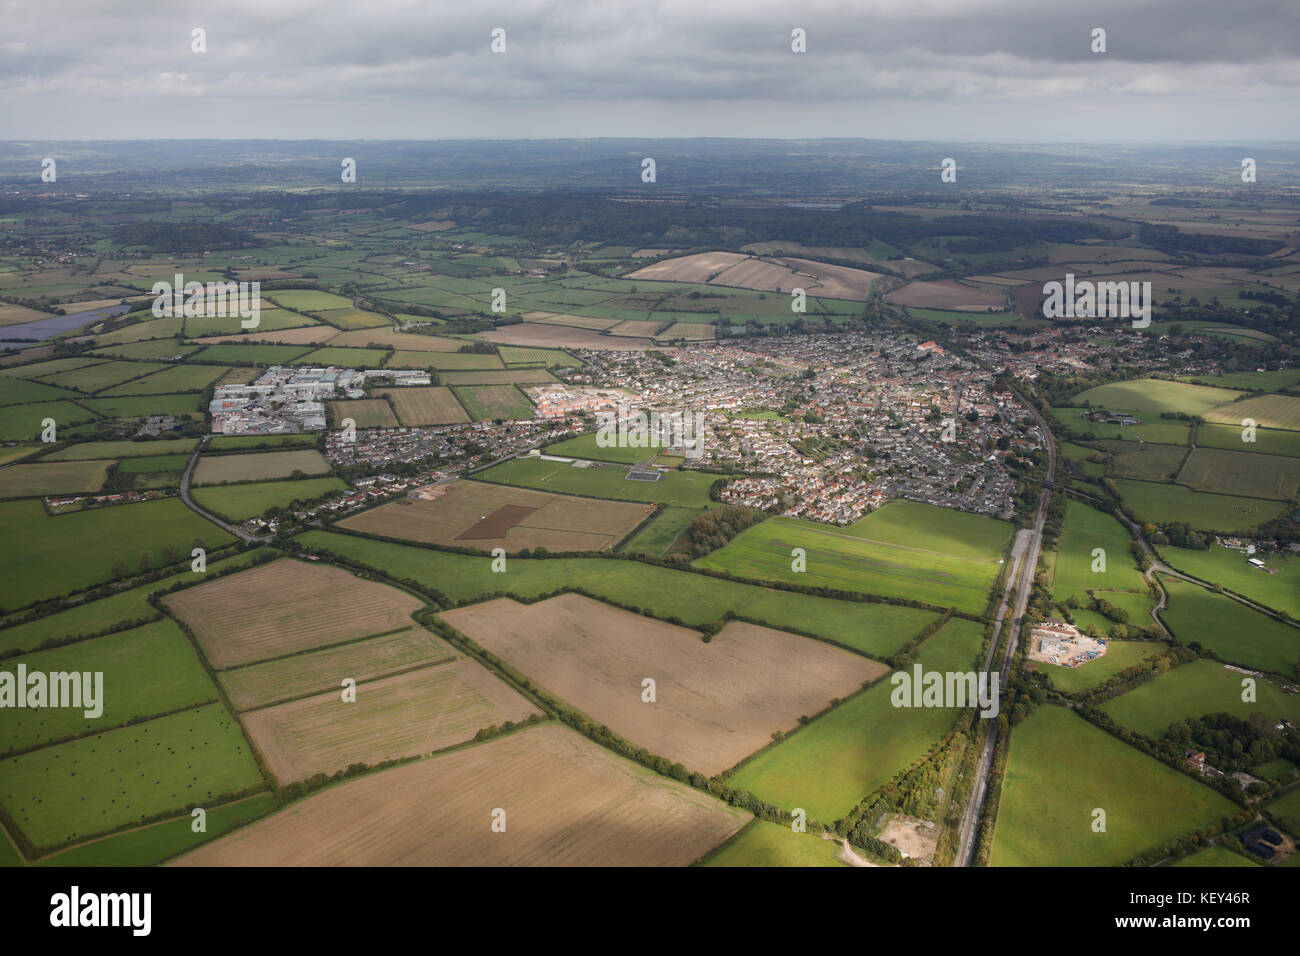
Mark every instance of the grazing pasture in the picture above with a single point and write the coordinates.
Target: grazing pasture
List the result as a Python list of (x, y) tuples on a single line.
[(842, 559), (1060, 767), (1235, 472), (62, 553), (238, 502), (93, 784), (54, 478), (1163, 504), (1233, 631), (1193, 690)]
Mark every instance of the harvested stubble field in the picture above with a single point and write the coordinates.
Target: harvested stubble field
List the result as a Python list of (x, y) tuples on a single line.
[(947, 294), (716, 702), (562, 337), (425, 405), (258, 466), (1267, 411), (475, 514), (399, 716), (568, 802), (366, 412), (287, 606), (258, 685)]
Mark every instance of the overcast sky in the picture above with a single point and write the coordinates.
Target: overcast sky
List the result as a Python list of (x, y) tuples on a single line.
[(984, 70)]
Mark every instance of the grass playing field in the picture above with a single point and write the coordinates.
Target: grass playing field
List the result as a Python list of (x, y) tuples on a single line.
[(1060, 768)]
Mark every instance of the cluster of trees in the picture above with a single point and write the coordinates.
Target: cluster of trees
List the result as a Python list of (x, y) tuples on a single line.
[(716, 527), (182, 236), (1230, 743)]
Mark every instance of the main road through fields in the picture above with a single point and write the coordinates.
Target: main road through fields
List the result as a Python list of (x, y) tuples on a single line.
[(1020, 581)]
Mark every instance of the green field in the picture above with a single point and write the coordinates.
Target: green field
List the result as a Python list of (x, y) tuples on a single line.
[(687, 489), (1147, 461), (182, 405), (112, 786), (25, 422), (122, 449), (1268, 441), (1165, 504), (343, 358), (237, 502), (95, 378), (878, 629), (242, 442), (53, 478), (151, 845), (147, 670), (158, 463), (308, 300), (1230, 629), (491, 402), (251, 354), (832, 763), (1119, 656), (1085, 530), (955, 568), (1256, 475), (772, 844), (1287, 809), (1060, 768), (1250, 381), (1149, 397), (1194, 690), (1228, 568), (178, 378), (1215, 856), (95, 617), (75, 550), (656, 537)]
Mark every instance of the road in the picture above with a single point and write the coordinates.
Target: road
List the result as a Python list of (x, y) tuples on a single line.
[(1020, 582), (239, 533)]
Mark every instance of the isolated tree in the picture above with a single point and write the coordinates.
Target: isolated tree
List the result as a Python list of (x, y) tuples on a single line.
[(146, 561), (121, 568)]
